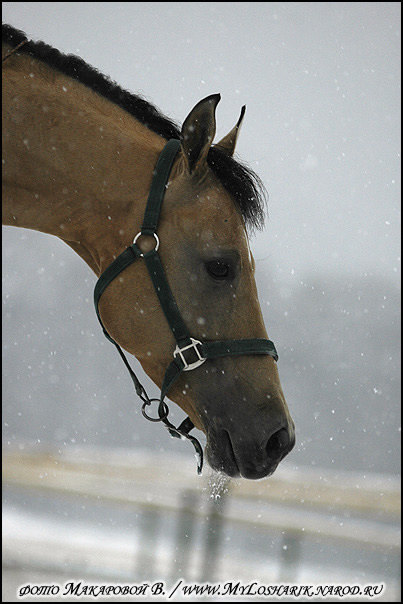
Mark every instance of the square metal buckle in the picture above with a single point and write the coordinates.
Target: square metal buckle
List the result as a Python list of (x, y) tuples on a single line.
[(193, 346)]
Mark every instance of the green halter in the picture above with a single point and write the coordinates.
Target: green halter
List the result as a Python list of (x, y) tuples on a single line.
[(189, 352)]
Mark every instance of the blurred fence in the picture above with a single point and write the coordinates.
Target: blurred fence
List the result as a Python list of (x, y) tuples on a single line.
[(297, 504)]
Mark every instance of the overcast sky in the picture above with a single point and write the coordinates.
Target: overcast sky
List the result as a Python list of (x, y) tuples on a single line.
[(321, 81)]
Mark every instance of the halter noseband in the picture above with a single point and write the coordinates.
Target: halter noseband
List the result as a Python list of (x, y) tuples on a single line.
[(189, 352)]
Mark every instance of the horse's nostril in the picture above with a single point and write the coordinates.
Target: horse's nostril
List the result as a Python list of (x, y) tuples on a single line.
[(278, 443)]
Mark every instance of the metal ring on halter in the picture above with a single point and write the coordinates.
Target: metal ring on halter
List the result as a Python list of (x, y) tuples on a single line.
[(157, 241), (155, 419)]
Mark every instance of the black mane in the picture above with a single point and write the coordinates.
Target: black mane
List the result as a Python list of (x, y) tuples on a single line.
[(244, 186)]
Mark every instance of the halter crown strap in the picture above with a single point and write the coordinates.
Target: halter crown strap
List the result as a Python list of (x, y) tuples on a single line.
[(158, 186), (189, 352)]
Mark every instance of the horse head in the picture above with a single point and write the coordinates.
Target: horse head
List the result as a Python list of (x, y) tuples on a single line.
[(236, 400)]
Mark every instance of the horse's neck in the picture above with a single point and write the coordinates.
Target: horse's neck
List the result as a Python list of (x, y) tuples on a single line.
[(74, 164)]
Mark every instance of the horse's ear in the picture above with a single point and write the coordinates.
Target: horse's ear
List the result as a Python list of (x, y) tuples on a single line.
[(228, 143), (198, 132)]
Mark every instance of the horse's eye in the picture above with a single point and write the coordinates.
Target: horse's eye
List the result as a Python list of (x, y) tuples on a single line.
[(218, 269)]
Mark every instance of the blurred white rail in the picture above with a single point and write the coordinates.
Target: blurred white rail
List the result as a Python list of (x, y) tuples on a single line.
[(155, 481)]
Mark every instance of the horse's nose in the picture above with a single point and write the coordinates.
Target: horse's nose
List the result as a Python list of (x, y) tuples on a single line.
[(256, 462), (280, 443), (250, 453)]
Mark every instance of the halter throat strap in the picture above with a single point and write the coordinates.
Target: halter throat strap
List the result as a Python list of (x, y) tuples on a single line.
[(189, 353)]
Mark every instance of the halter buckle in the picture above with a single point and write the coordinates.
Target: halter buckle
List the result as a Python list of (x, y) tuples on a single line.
[(193, 346)]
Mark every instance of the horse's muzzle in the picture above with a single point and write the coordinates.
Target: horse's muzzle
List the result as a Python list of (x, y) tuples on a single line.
[(239, 452)]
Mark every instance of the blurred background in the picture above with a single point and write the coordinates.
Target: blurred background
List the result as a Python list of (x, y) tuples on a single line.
[(85, 474)]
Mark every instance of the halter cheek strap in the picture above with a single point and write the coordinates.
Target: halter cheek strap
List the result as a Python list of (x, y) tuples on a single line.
[(189, 352)]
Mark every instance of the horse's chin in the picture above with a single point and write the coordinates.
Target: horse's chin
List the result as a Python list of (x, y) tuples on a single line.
[(226, 465)]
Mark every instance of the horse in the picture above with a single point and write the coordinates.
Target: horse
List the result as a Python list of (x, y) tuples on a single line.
[(79, 160)]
